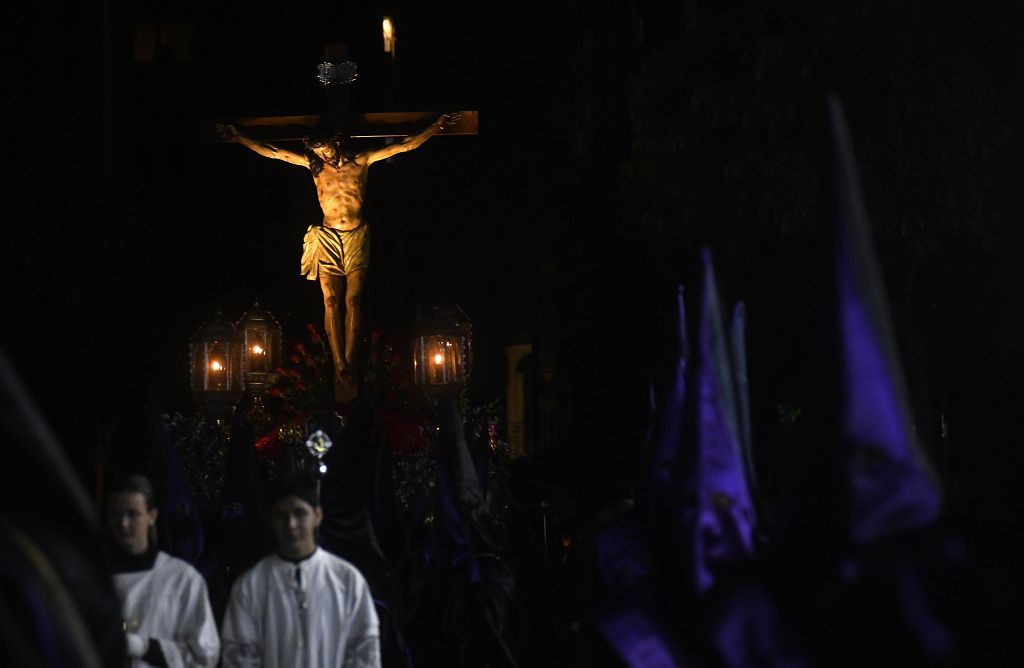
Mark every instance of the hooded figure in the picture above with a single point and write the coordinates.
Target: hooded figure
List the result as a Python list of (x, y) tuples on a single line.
[(861, 500)]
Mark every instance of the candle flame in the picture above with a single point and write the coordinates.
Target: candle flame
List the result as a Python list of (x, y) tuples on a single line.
[(257, 349), (438, 358), (215, 365), (389, 36)]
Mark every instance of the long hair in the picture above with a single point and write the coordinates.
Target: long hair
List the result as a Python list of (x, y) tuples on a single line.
[(338, 140)]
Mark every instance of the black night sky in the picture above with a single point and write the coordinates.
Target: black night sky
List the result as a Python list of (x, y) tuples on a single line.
[(616, 139)]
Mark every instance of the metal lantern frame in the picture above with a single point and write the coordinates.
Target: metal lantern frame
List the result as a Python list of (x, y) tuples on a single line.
[(442, 350), (215, 363), (261, 347)]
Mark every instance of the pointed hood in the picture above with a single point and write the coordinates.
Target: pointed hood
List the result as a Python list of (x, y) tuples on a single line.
[(669, 423), (891, 486), (717, 517), (738, 355)]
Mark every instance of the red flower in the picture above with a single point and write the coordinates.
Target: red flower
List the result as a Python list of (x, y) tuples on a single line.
[(294, 358), (275, 392), (403, 436), (301, 349), (269, 446), (314, 333)]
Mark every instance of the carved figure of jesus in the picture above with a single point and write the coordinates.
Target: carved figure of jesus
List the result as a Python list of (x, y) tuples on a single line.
[(337, 252)]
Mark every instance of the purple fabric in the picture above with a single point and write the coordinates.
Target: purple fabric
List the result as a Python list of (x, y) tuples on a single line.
[(636, 634), (669, 431), (717, 518), (750, 630), (630, 622), (622, 551), (891, 487), (702, 504)]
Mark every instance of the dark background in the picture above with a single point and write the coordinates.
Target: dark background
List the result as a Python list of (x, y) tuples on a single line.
[(615, 139)]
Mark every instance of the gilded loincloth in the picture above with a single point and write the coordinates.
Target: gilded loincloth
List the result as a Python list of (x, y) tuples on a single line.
[(334, 252)]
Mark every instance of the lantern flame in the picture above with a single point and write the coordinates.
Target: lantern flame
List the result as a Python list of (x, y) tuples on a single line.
[(389, 36), (215, 365), (438, 358), (257, 349)]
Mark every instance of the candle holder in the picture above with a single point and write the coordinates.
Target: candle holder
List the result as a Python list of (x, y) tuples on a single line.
[(261, 347), (442, 350), (216, 367)]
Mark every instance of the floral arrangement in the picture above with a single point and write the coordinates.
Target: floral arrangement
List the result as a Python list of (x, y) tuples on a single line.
[(306, 383), (303, 384)]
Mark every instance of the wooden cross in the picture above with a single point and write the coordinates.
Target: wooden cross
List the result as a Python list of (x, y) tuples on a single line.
[(356, 125), (359, 126)]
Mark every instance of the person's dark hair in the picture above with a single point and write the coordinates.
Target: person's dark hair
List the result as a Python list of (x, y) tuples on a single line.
[(320, 137), (135, 484), (297, 484)]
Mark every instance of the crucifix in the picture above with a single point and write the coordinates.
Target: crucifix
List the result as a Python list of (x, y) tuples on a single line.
[(337, 252)]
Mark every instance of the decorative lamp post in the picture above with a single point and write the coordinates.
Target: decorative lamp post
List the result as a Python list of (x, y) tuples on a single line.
[(442, 350), (261, 347), (216, 367)]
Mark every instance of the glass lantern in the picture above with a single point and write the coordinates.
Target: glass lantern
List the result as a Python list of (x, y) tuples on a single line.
[(261, 347), (216, 366), (442, 350)]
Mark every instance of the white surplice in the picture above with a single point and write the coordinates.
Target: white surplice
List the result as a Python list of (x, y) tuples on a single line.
[(317, 613), (169, 603)]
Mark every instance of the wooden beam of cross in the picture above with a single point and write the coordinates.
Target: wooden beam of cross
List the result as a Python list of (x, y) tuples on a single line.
[(338, 116), (358, 126)]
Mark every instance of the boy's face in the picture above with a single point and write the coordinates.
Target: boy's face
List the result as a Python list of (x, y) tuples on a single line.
[(293, 523), (128, 520)]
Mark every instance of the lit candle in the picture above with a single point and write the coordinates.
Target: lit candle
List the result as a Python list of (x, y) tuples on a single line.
[(216, 375), (257, 358), (389, 36), (438, 371)]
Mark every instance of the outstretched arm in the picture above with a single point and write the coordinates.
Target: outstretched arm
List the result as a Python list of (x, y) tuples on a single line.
[(411, 142), (267, 150)]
